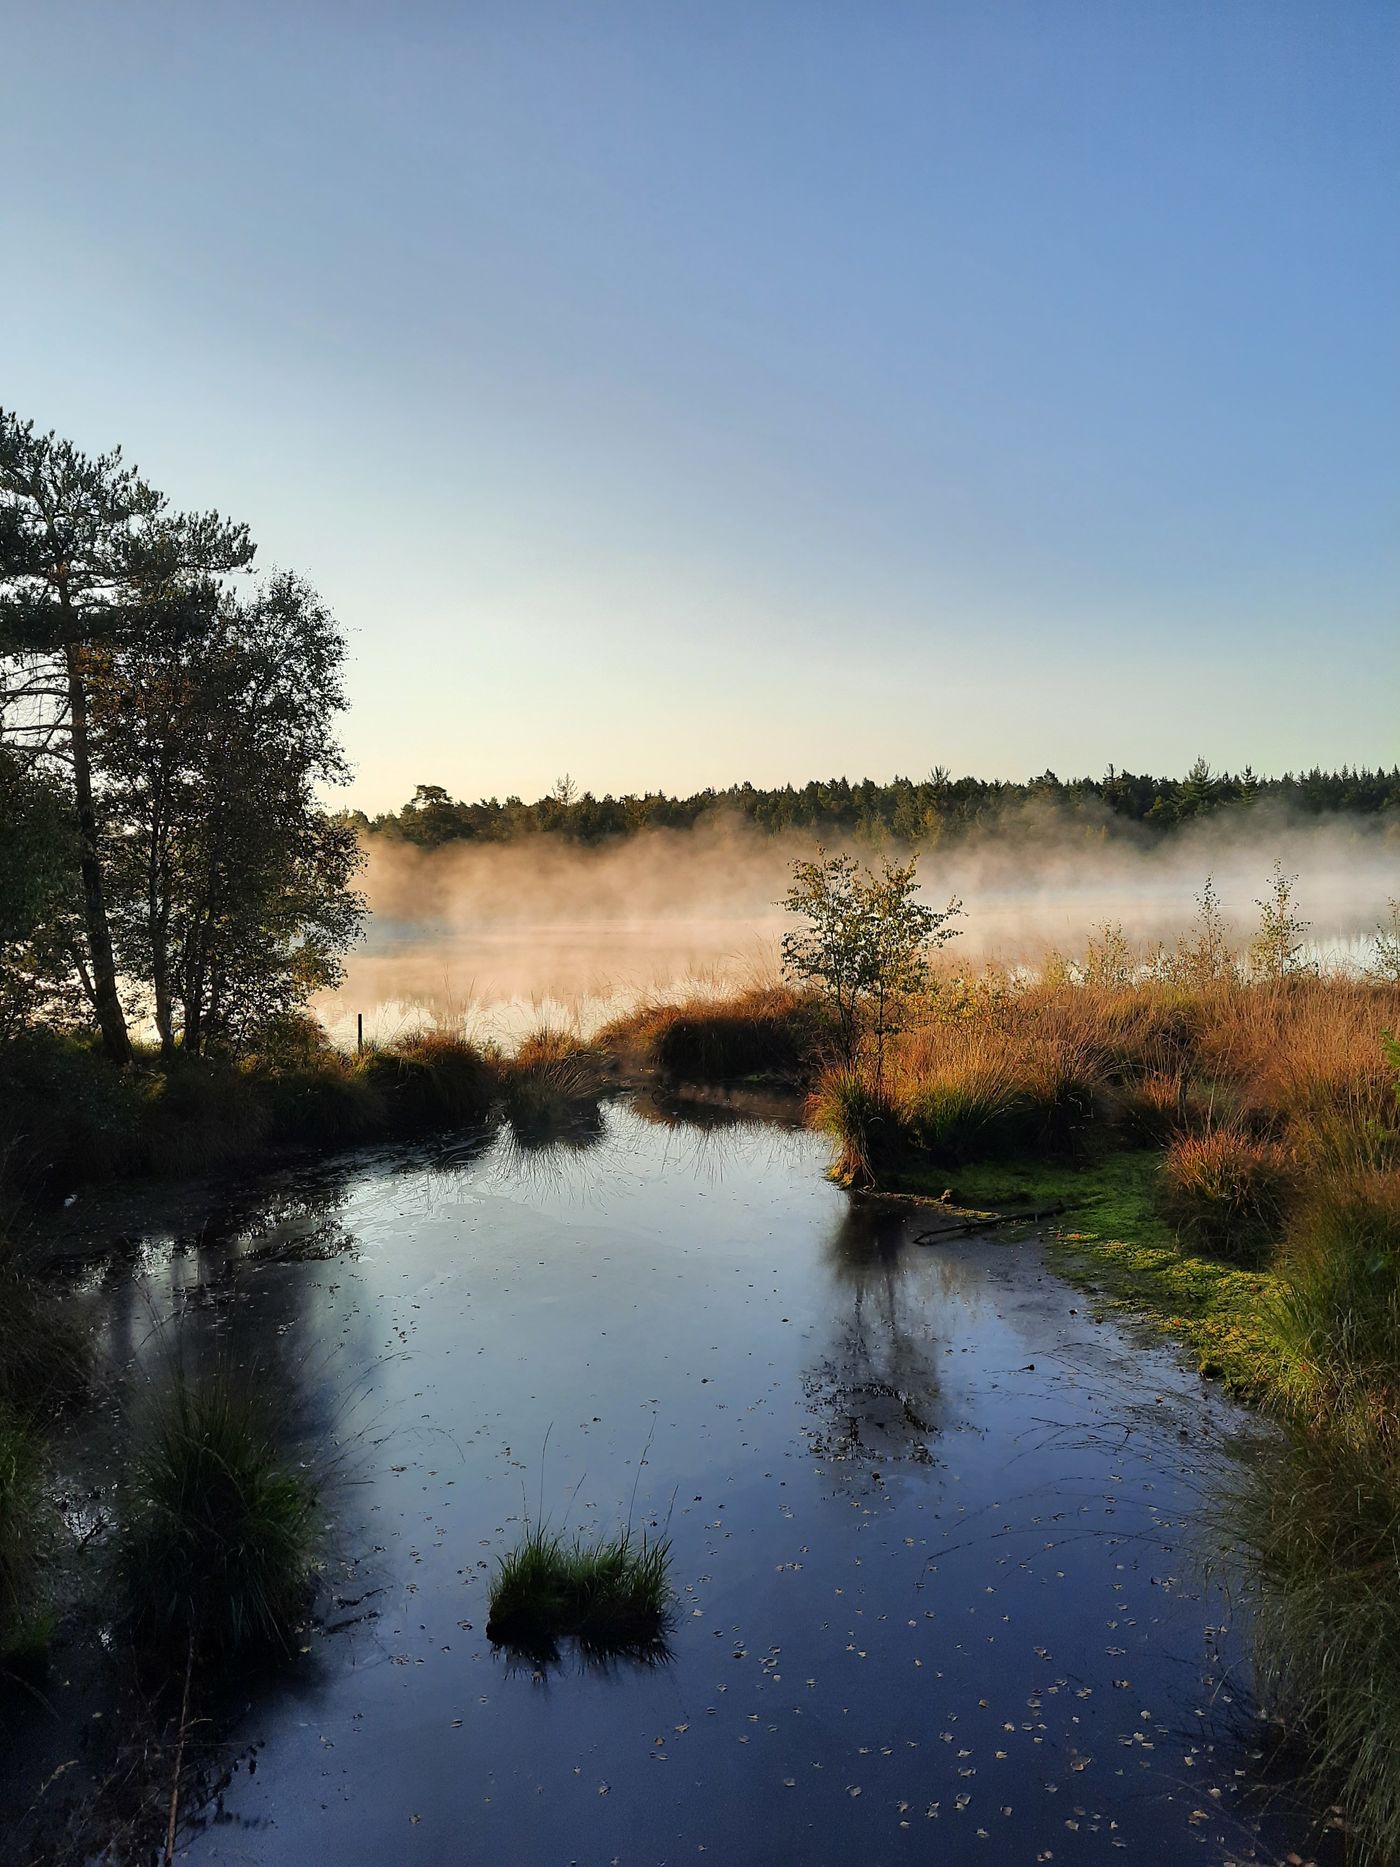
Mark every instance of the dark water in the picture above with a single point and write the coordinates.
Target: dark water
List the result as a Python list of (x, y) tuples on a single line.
[(933, 1527)]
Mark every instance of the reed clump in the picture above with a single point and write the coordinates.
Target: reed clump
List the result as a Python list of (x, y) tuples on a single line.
[(766, 1031), (44, 1352), (1336, 1318), (1227, 1191), (612, 1596), (217, 1531), (551, 1084), (430, 1079), (863, 1121), (1318, 1521), (20, 1506)]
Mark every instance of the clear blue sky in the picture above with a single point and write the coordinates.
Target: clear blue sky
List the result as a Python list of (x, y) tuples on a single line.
[(676, 393)]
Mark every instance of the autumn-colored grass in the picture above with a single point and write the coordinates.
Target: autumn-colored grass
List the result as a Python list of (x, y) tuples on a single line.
[(553, 1079), (1227, 1191), (768, 1030)]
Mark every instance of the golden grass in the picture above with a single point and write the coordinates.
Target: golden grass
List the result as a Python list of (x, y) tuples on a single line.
[(767, 1030)]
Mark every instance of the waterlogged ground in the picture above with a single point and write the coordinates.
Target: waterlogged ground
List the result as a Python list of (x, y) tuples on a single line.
[(935, 1530)]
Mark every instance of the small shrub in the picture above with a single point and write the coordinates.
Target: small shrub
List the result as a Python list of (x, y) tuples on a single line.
[(1226, 1192), (1276, 951), (293, 1041), (612, 1596), (216, 1536)]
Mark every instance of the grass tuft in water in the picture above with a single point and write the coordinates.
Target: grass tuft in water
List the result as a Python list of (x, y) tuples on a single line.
[(861, 1119), (767, 1031), (550, 1085), (612, 1596), (19, 1513), (217, 1533)]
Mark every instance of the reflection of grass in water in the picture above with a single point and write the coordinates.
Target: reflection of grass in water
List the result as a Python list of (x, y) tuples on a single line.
[(216, 1539), (612, 1597), (1320, 1525)]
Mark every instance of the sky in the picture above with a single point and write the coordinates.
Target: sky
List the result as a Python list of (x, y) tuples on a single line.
[(673, 394)]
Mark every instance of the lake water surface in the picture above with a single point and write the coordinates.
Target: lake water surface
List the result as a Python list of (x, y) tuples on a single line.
[(935, 1529)]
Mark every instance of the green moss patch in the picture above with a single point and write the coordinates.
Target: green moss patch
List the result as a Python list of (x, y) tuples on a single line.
[(1112, 1241)]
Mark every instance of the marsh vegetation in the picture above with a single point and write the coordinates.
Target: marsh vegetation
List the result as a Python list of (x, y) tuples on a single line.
[(611, 1595)]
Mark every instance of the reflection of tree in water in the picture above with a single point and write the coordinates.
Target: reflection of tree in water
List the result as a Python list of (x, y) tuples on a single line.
[(253, 1294), (240, 1294), (877, 1389)]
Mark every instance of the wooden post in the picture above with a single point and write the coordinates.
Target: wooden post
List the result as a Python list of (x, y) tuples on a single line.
[(359, 1033)]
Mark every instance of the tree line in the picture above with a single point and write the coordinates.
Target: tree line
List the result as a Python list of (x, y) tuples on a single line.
[(916, 812), (167, 718)]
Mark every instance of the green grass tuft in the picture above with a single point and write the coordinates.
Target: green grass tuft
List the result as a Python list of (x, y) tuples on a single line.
[(1336, 1318), (1319, 1524), (217, 1533), (612, 1596)]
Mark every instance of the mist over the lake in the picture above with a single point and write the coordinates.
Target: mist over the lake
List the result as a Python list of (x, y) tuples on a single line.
[(505, 934)]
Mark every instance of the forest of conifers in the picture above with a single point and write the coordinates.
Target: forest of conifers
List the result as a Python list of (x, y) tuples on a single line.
[(916, 811)]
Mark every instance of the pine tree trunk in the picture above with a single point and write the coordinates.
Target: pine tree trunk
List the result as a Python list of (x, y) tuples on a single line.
[(106, 1000)]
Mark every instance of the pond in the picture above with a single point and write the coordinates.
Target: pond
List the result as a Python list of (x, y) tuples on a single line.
[(936, 1532)]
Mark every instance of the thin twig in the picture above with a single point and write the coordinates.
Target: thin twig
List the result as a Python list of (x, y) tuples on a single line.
[(179, 1758)]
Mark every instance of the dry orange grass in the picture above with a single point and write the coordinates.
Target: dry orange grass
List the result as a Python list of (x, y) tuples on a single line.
[(1296, 1051), (769, 1029), (1007, 1060), (1302, 1050), (1227, 1191)]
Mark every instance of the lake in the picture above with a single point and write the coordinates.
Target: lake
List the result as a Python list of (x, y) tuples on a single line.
[(939, 1537)]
